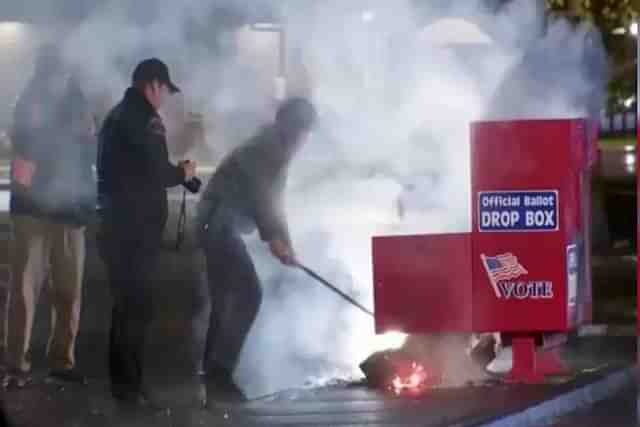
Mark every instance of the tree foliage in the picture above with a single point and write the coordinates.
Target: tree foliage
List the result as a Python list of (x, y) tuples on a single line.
[(609, 16)]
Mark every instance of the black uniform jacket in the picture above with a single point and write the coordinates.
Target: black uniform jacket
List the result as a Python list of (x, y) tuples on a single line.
[(133, 167)]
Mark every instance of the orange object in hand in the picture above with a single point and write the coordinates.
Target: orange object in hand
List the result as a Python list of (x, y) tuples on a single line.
[(23, 171)]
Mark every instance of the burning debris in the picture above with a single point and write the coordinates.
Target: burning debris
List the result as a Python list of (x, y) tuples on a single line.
[(414, 380), (429, 361), (397, 372)]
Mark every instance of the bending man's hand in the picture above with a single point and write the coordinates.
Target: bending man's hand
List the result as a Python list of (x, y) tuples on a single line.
[(189, 168), (281, 250)]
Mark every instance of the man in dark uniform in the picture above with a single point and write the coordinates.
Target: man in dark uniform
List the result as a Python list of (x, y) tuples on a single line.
[(133, 174), (246, 192)]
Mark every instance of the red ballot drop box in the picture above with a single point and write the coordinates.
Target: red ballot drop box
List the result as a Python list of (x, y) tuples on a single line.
[(524, 268)]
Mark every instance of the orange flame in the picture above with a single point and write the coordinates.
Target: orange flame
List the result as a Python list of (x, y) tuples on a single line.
[(416, 380)]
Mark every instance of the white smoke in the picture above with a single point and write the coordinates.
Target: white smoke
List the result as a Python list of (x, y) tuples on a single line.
[(395, 116), (395, 103)]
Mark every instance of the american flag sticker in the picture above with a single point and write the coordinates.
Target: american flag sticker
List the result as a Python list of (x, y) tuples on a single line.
[(500, 268)]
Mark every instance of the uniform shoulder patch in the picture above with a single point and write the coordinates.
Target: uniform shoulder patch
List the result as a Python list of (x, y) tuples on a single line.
[(156, 126)]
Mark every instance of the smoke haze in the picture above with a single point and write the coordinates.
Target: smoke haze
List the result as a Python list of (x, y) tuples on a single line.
[(391, 152)]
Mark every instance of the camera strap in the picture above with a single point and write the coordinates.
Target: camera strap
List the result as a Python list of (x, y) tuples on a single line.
[(182, 221)]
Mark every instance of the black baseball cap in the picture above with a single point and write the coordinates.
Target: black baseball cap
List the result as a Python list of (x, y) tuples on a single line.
[(153, 69)]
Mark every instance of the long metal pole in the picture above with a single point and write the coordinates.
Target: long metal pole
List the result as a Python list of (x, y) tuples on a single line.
[(333, 288)]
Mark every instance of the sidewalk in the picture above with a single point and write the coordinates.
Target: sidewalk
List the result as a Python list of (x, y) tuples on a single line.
[(603, 367), (619, 411), (602, 363)]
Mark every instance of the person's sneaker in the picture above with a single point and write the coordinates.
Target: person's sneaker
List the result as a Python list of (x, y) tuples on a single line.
[(16, 379), (502, 363), (67, 376), (481, 349)]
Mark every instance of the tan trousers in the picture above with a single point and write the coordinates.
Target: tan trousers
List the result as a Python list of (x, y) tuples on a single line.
[(56, 252)]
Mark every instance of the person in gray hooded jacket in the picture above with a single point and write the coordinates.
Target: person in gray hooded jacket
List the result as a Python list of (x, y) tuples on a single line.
[(245, 193), (52, 201)]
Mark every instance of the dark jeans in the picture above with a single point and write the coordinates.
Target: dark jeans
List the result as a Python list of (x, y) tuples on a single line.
[(236, 295), (130, 259)]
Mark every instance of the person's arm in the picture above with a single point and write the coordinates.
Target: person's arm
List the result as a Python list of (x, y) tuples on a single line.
[(165, 172), (26, 122), (83, 127), (269, 214), (84, 133), (268, 194), (151, 137)]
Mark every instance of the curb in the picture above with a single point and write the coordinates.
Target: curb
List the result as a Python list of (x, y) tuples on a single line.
[(545, 412), (597, 330)]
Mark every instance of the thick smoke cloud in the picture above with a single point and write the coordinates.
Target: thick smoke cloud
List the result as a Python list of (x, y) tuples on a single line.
[(391, 152), (394, 133)]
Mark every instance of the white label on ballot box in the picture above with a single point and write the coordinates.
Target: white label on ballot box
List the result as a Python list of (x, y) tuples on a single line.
[(572, 275), (532, 210)]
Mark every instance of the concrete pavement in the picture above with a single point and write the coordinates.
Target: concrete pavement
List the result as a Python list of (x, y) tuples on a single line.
[(488, 404), (618, 410), (603, 364)]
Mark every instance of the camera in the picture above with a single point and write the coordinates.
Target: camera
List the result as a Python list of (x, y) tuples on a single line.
[(193, 185)]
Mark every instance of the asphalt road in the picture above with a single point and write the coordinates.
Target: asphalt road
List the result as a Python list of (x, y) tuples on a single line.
[(618, 411)]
